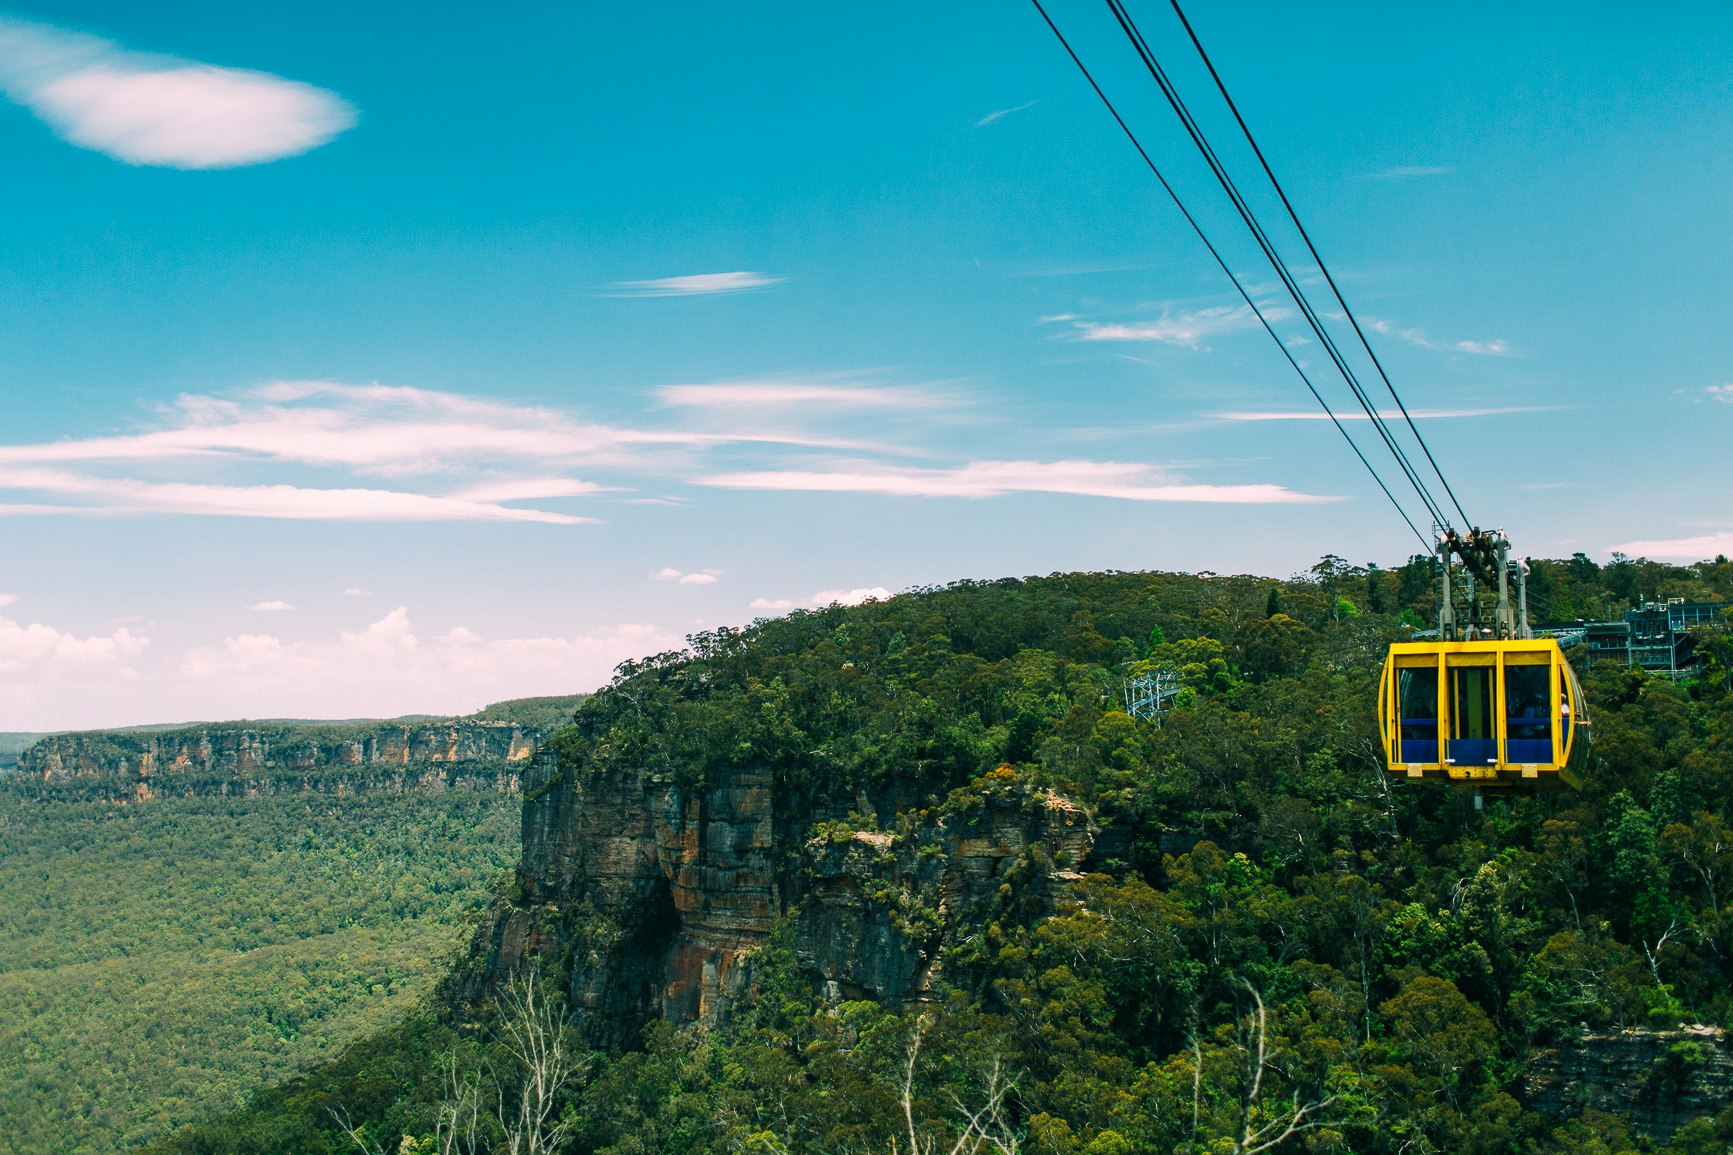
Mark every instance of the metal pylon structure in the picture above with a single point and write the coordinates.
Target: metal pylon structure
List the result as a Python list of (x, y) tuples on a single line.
[(1147, 695)]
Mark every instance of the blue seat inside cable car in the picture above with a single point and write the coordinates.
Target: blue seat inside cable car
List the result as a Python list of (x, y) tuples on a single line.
[(1420, 740), (1531, 751), (1473, 751)]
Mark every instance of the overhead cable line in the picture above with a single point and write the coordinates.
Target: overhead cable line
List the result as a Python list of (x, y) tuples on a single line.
[(1319, 260), (1213, 252), (1289, 281)]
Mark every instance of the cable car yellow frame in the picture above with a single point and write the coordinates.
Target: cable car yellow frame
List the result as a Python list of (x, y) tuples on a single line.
[(1493, 714)]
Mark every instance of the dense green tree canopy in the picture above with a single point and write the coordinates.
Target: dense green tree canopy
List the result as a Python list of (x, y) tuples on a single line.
[(1395, 956)]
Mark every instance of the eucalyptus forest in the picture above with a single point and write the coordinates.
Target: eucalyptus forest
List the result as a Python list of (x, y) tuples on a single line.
[(1272, 946)]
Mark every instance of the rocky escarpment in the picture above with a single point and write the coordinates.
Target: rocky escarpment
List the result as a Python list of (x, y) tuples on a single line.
[(651, 896), (1659, 1080), (261, 759), (245, 749)]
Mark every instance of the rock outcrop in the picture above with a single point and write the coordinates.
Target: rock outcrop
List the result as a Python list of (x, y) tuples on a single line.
[(253, 759), (232, 749), (1659, 1080), (651, 897)]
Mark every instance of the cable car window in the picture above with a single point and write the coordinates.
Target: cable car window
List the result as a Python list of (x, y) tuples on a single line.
[(1528, 722), (1564, 710), (1417, 697), (1472, 740)]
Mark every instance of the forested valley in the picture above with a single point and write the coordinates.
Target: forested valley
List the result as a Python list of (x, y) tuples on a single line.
[(1270, 947), (172, 943)]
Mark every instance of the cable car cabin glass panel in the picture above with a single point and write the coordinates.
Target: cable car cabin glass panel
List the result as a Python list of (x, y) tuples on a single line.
[(1417, 709), (1527, 714), (1567, 691), (1473, 682)]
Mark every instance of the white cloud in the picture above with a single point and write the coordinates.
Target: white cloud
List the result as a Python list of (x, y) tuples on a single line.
[(357, 592), (116, 496), (773, 394), (387, 669), (823, 598), (696, 285), (7, 599), (1486, 348), (1690, 548), (1126, 481), (46, 674), (852, 597), (1391, 329), (146, 109), (698, 578), (1720, 393), (387, 430), (484, 455), (529, 489), (992, 117), (38, 646), (274, 606), (1187, 327)]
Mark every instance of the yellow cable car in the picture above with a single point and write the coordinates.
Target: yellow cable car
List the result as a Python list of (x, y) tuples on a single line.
[(1493, 714), (1487, 704)]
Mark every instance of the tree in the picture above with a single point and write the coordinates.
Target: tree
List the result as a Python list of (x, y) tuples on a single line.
[(1705, 849), (1436, 1032), (1274, 647), (533, 1034), (1266, 1106)]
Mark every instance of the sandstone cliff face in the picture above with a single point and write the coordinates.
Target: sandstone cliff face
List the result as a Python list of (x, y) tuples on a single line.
[(651, 897), (1659, 1080), (243, 750)]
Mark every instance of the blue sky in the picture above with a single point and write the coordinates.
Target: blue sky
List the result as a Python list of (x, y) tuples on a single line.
[(356, 365)]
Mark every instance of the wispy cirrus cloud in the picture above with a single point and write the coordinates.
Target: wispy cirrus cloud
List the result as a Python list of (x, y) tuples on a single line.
[(146, 109), (331, 452), (1184, 327), (84, 493), (995, 117), (789, 394), (454, 457), (1498, 348), (1409, 334), (695, 285), (1419, 338), (1121, 480), (386, 430), (1409, 172)]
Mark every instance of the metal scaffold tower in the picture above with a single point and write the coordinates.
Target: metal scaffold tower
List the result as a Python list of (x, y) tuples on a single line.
[(1147, 695)]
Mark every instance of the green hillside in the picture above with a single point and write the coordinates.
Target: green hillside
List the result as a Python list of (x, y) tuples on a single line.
[(1273, 944)]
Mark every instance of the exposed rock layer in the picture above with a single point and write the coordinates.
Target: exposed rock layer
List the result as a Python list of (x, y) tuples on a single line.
[(1659, 1080), (243, 750), (652, 896)]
